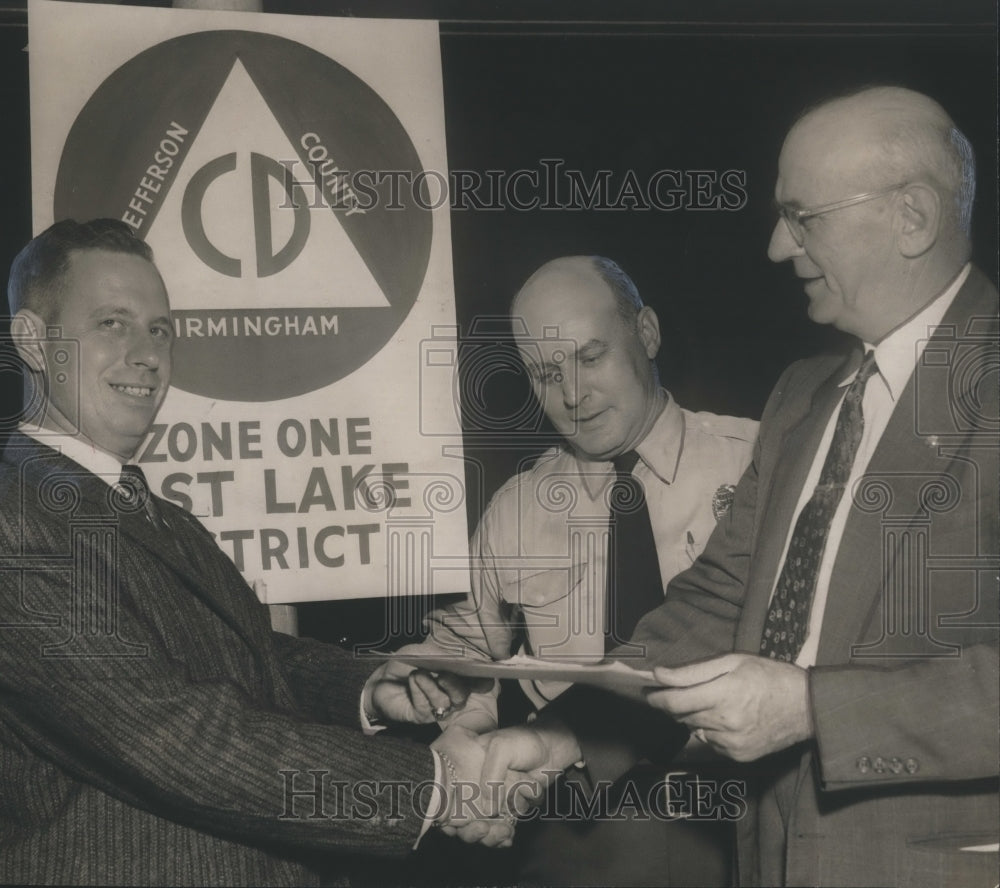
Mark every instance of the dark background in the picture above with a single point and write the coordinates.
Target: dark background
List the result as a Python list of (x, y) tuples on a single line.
[(624, 86), (621, 86)]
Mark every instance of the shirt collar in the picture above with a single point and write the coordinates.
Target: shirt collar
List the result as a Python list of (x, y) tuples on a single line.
[(660, 450), (107, 467), (898, 353)]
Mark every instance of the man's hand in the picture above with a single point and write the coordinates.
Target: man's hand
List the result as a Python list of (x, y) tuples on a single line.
[(742, 705), (526, 760), (464, 808), (402, 693)]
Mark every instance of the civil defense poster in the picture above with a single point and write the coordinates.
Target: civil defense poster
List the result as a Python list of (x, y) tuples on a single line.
[(290, 175)]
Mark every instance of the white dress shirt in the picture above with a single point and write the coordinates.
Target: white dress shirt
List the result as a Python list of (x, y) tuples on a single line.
[(107, 467), (896, 357)]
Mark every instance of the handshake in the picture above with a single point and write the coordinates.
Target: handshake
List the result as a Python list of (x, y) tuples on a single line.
[(742, 706), (488, 777)]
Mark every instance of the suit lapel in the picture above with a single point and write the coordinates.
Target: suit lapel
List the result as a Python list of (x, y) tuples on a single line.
[(856, 581), (204, 570), (64, 487), (793, 455), (906, 455), (172, 546)]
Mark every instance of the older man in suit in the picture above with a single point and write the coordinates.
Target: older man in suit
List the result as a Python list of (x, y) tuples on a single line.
[(153, 729), (853, 583)]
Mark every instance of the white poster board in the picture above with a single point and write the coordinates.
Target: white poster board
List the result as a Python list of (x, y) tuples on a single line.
[(290, 174)]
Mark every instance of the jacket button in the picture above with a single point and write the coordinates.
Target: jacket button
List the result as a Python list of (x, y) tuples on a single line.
[(911, 765), (864, 764), (895, 765), (878, 766)]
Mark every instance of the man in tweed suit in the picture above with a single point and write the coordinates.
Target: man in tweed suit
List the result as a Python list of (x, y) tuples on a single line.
[(153, 729)]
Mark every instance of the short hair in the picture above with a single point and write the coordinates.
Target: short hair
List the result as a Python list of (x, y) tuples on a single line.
[(38, 271), (939, 151), (628, 302), (965, 193)]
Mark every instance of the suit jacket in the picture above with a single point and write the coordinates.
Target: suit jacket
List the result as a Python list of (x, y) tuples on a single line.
[(902, 771), (153, 729)]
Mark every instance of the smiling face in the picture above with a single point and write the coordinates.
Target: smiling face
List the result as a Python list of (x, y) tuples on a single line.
[(114, 307), (848, 259), (590, 370)]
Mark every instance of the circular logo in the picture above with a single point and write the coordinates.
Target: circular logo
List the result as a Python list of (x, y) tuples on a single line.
[(272, 184)]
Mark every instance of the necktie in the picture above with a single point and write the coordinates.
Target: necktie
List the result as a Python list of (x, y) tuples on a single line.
[(133, 480), (788, 616), (634, 585)]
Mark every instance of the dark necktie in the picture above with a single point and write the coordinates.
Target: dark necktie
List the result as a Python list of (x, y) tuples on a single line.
[(634, 584), (133, 481), (788, 616)]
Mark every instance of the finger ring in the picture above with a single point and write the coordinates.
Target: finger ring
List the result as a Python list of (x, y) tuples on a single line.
[(699, 733), (440, 712)]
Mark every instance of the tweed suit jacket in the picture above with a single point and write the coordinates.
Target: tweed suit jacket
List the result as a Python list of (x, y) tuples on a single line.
[(153, 729), (902, 772)]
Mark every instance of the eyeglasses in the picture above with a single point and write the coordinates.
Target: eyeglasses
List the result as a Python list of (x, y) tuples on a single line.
[(794, 218)]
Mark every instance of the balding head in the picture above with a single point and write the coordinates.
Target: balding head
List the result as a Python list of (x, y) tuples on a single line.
[(888, 133), (582, 272), (878, 185), (588, 344)]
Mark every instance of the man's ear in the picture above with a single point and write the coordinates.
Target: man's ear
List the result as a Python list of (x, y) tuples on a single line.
[(919, 219), (27, 330), (648, 326)]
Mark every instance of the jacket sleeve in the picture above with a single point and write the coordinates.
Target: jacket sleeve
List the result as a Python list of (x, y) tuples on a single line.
[(917, 721), (327, 680), (920, 700), (156, 722)]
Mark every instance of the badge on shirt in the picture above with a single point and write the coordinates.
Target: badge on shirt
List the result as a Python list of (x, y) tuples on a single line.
[(722, 500)]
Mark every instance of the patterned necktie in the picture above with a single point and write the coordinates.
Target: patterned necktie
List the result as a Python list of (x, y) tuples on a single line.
[(634, 584), (788, 616), (133, 480)]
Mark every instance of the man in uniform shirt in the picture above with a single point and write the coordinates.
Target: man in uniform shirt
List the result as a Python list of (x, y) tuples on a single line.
[(839, 631), (540, 553)]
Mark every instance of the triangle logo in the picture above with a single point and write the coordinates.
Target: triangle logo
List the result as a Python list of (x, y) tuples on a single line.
[(223, 149), (249, 228)]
